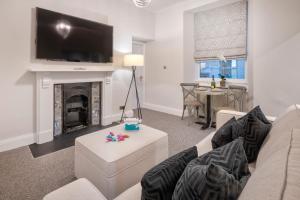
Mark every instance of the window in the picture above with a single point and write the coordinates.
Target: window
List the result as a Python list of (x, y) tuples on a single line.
[(220, 33), (231, 69)]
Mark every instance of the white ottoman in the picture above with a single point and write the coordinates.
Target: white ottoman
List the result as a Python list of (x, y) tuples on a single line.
[(77, 190), (114, 167)]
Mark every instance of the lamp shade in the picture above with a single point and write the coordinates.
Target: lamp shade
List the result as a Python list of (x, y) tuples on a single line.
[(133, 60)]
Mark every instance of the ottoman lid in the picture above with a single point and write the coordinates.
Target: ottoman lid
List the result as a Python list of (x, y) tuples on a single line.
[(115, 156)]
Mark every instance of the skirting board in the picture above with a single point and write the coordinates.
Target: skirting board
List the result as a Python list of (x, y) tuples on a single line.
[(27, 139), (16, 142), (164, 109)]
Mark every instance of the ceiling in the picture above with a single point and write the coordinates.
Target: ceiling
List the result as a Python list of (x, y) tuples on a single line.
[(157, 5)]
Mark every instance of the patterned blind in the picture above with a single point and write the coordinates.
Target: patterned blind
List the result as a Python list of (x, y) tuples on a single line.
[(221, 32)]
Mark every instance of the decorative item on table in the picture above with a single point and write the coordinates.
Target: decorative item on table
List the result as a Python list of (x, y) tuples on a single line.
[(223, 62), (111, 137), (132, 124), (213, 82), (223, 80)]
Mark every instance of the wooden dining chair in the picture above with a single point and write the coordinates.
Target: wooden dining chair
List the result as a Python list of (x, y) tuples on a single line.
[(190, 99), (234, 98)]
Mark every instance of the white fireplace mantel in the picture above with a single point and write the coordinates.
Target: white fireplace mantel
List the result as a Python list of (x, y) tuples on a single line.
[(70, 68), (45, 80)]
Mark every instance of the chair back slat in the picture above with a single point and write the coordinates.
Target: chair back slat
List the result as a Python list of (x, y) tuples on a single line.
[(236, 94), (188, 90)]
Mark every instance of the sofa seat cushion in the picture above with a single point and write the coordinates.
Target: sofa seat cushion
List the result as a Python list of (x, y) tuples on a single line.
[(278, 176), (77, 190), (160, 181)]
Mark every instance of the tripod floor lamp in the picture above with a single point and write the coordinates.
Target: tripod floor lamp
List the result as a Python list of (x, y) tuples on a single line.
[(133, 61)]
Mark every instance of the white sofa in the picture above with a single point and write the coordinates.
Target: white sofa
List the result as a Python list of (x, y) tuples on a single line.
[(276, 173)]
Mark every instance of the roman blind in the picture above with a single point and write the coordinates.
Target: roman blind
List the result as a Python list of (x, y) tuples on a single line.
[(221, 32)]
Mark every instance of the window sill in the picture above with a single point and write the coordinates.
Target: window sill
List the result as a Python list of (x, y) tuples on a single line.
[(207, 81)]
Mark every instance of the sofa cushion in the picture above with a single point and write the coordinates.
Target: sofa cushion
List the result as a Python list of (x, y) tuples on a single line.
[(278, 177), (218, 174), (254, 127), (206, 182), (288, 120), (257, 112), (254, 133), (160, 181), (223, 134), (230, 157)]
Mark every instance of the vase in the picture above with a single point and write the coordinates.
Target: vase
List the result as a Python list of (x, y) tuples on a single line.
[(223, 83)]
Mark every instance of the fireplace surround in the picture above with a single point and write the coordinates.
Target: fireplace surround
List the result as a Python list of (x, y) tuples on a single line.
[(46, 81)]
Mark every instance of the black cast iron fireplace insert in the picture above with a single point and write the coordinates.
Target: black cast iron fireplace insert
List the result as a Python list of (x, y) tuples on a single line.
[(76, 106)]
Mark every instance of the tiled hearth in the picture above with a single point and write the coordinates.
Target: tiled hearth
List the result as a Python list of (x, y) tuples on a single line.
[(62, 141)]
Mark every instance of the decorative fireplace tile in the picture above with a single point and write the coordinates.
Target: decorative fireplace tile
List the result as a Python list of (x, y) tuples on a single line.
[(58, 103), (96, 103)]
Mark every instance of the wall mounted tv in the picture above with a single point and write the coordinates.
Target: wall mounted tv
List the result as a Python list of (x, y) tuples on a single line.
[(66, 38)]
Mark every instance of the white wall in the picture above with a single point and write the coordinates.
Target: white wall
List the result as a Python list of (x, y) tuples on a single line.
[(173, 48), (162, 85), (272, 65), (17, 85), (276, 48)]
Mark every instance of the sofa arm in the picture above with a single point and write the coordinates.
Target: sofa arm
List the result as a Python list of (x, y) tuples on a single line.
[(204, 145), (133, 193), (77, 190), (224, 115)]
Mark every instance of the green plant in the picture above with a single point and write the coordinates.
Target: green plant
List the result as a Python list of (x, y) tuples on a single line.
[(222, 77)]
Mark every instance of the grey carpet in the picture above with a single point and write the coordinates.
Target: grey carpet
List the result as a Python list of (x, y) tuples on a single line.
[(182, 133), (23, 177)]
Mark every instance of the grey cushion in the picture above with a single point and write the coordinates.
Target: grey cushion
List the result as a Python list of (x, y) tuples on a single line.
[(159, 182), (219, 174), (231, 157), (254, 133), (207, 182), (224, 134), (257, 112)]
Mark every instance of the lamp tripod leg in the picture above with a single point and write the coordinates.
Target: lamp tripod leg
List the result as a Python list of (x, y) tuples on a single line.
[(139, 110), (127, 97)]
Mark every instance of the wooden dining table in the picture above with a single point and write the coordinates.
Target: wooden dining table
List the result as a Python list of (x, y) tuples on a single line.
[(209, 92)]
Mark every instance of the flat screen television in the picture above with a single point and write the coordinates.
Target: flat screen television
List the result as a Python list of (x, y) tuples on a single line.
[(66, 38)]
